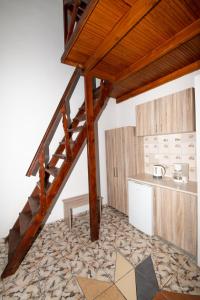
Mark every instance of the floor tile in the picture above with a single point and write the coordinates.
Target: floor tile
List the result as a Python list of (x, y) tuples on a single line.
[(72, 291), (22, 285), (112, 293), (173, 285), (92, 288), (58, 254), (127, 286), (146, 281), (122, 267)]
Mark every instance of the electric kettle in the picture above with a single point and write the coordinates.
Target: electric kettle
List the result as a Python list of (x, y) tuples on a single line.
[(158, 171)]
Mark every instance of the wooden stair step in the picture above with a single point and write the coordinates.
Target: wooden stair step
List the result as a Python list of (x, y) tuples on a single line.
[(24, 221), (82, 117), (52, 171), (13, 240), (71, 143), (76, 129), (34, 203), (61, 156)]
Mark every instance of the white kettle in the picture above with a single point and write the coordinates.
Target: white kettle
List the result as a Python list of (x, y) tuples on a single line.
[(158, 171)]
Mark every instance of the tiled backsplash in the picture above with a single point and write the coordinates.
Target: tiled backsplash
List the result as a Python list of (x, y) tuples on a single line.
[(170, 149)]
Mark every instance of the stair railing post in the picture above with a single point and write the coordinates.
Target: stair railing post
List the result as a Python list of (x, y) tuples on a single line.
[(67, 135), (42, 182), (73, 18), (93, 166)]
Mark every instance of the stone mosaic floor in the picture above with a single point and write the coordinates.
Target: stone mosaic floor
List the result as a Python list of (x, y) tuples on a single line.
[(50, 268)]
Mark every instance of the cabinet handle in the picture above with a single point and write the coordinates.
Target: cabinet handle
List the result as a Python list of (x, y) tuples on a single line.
[(116, 172)]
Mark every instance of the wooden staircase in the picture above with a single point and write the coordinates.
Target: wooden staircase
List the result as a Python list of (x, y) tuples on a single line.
[(43, 198)]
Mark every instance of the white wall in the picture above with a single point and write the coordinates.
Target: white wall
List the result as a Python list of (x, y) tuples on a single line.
[(197, 97), (32, 81)]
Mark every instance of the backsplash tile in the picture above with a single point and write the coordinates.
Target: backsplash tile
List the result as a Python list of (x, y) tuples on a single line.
[(170, 149)]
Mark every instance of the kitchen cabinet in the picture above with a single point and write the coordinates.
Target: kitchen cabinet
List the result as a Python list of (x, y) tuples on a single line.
[(145, 119), (120, 164), (175, 218), (171, 114)]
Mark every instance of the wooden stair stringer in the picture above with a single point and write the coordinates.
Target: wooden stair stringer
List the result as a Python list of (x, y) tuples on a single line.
[(38, 220)]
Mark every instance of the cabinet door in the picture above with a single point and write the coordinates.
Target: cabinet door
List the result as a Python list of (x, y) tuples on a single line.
[(176, 218), (110, 139), (145, 119), (164, 115), (121, 167), (120, 162), (171, 114), (183, 116)]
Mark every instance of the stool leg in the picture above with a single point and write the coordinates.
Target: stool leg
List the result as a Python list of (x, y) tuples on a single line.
[(67, 217), (71, 218)]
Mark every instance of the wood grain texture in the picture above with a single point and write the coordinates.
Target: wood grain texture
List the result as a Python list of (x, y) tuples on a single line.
[(176, 218), (148, 86), (20, 244), (134, 52), (139, 9), (93, 166), (172, 43), (121, 163), (170, 114)]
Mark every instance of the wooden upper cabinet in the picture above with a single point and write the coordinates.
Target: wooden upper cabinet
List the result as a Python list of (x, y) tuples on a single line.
[(145, 119), (171, 114)]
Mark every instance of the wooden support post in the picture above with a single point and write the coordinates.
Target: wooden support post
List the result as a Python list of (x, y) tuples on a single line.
[(92, 160)]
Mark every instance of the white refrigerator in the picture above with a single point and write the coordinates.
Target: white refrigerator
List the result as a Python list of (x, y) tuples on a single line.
[(140, 200)]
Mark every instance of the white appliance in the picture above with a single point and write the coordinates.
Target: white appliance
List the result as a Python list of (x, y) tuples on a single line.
[(181, 173), (140, 200), (158, 171)]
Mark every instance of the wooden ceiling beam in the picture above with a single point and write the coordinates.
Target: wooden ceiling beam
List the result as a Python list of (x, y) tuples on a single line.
[(181, 37), (126, 23), (174, 75)]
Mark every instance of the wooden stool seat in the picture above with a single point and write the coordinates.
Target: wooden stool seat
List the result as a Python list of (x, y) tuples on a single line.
[(75, 202)]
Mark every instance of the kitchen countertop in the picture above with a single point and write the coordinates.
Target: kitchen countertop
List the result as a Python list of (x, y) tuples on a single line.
[(167, 182)]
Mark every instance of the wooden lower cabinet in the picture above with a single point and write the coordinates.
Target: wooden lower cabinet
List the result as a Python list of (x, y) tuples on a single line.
[(175, 218), (120, 164)]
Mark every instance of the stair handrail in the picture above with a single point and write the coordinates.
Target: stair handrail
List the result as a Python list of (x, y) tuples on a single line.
[(46, 140)]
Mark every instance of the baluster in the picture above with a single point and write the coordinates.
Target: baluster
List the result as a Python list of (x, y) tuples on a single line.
[(42, 182), (65, 22), (73, 18), (68, 112), (67, 135)]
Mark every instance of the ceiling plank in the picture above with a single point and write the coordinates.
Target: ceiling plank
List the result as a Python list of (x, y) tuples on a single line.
[(126, 23), (174, 75), (181, 37)]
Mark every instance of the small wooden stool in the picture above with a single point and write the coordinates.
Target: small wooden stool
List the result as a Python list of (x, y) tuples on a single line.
[(75, 202)]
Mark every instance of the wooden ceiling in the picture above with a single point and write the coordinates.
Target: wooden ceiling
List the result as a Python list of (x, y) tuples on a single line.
[(136, 44)]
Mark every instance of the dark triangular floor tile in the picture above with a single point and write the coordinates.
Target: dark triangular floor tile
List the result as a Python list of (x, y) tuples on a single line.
[(146, 282)]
